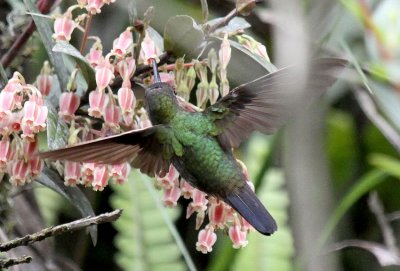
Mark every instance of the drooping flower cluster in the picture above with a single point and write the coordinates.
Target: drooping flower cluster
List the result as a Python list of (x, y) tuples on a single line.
[(220, 215), (22, 116)]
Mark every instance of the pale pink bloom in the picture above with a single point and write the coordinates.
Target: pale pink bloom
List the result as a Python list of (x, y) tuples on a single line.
[(111, 116), (69, 103), (36, 166), (94, 6), (186, 189), (217, 214), (224, 53), (149, 50), (238, 236), (169, 179), (87, 173), (122, 43), (104, 74), (7, 104), (171, 196), (199, 203), (27, 133), (126, 68), (5, 152), (98, 100), (107, 2), (126, 100), (19, 172), (30, 113), (39, 123), (120, 172), (63, 27), (128, 119), (200, 219), (100, 177), (72, 173), (95, 56), (206, 240), (14, 85), (30, 148), (43, 83)]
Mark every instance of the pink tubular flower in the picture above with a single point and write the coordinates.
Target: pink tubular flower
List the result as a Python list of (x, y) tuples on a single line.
[(187, 189), (19, 172), (168, 180), (171, 196), (100, 177), (120, 172), (149, 50), (126, 68), (5, 152), (107, 2), (39, 123), (72, 173), (111, 117), (94, 6), (122, 43), (95, 55), (69, 103), (27, 133), (168, 78), (104, 74), (238, 236), (36, 166), (7, 104), (206, 240), (199, 203), (43, 82), (217, 213), (126, 100), (98, 100), (87, 173), (63, 27)]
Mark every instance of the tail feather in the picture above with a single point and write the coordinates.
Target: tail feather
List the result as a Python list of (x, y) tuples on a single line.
[(246, 203)]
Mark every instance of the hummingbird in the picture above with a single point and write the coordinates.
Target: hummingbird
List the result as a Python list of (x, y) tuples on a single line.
[(199, 144)]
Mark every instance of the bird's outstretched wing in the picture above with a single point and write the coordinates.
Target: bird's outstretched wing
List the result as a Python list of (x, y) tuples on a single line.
[(141, 147), (267, 102)]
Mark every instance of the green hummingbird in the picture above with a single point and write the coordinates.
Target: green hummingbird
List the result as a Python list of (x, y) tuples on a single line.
[(199, 144)]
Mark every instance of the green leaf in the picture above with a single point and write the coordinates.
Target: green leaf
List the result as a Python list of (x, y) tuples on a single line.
[(183, 36), (143, 241), (365, 184), (388, 101), (236, 24), (3, 77), (45, 32), (57, 130), (84, 66), (53, 180), (386, 163)]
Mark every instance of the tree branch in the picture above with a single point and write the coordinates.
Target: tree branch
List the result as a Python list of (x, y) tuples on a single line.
[(61, 229), (6, 263)]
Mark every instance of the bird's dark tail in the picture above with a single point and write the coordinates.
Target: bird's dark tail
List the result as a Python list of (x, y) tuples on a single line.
[(246, 203)]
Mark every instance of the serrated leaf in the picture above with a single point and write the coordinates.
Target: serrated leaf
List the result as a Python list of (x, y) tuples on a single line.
[(143, 241), (236, 24), (57, 130), (183, 36), (45, 32), (84, 66), (52, 180)]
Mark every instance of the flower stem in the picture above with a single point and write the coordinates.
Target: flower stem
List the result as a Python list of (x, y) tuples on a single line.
[(85, 34)]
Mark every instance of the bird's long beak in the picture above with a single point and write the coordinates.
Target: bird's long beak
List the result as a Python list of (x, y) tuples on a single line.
[(157, 78)]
